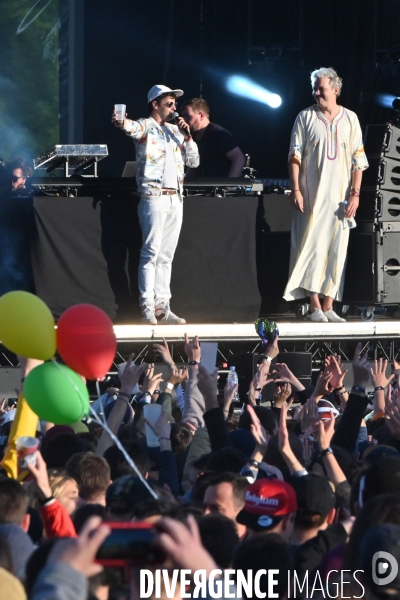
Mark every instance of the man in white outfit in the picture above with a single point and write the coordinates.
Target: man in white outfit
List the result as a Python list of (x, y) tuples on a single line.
[(162, 150), (326, 161)]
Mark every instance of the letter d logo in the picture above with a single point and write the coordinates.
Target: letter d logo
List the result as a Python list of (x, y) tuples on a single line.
[(381, 568)]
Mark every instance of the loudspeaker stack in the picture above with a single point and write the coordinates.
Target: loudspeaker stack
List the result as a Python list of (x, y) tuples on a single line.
[(373, 269)]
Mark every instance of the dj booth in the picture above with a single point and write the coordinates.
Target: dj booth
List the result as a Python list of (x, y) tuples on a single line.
[(86, 249)]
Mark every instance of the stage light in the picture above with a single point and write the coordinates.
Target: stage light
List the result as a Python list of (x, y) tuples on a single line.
[(386, 100), (249, 89)]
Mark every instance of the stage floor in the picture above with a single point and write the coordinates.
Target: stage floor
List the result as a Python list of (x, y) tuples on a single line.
[(288, 331)]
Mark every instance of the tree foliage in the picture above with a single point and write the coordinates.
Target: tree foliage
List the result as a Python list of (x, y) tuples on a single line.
[(29, 80)]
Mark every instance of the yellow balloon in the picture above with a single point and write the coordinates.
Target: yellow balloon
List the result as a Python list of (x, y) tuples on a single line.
[(27, 325)]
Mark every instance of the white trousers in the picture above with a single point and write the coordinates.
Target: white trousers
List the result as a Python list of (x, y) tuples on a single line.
[(160, 220)]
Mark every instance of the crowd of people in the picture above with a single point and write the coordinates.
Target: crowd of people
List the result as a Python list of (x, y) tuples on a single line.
[(305, 485)]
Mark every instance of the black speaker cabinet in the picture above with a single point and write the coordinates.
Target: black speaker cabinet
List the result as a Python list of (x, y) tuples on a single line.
[(300, 363), (380, 205), (383, 172), (382, 140), (373, 264)]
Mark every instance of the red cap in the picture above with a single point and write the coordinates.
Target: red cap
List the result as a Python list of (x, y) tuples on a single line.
[(267, 498)]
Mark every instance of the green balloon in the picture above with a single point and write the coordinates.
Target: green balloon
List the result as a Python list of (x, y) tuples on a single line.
[(56, 394)]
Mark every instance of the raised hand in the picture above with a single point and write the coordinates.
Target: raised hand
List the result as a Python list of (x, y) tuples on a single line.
[(396, 367), (40, 475), (131, 375), (378, 373), (323, 386), (392, 411), (163, 351), (284, 374), (229, 393), (333, 365), (260, 378), (192, 348), (272, 350), (151, 381), (260, 435), (3, 409), (308, 445), (178, 375), (309, 414), (282, 393)]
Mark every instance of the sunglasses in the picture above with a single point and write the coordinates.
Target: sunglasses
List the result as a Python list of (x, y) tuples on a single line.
[(15, 178), (171, 104)]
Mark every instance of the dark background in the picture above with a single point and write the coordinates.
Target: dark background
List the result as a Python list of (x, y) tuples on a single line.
[(130, 46)]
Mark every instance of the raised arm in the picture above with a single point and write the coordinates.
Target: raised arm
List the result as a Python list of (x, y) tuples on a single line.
[(380, 383), (347, 431), (294, 465), (129, 379), (323, 433), (194, 406), (213, 416)]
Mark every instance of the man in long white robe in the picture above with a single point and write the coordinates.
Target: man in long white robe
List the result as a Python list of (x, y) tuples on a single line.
[(326, 160)]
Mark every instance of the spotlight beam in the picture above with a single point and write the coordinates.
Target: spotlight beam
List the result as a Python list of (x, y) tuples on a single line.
[(241, 86)]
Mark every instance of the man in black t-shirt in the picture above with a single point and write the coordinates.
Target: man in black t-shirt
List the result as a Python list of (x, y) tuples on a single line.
[(220, 156)]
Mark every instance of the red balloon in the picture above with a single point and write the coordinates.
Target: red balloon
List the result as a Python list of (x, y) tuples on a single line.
[(86, 340)]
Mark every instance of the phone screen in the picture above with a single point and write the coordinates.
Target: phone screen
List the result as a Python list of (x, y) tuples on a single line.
[(131, 543)]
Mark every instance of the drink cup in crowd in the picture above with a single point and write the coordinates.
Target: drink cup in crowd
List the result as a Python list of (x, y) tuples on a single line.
[(151, 412), (120, 110), (27, 449)]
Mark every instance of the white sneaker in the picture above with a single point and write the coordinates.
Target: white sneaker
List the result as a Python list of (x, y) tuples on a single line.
[(332, 317), (165, 316), (318, 316), (148, 315)]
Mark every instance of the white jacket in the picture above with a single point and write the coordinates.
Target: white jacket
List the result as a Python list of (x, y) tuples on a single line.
[(150, 141)]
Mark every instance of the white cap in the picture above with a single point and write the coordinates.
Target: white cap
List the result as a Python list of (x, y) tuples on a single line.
[(157, 90), (327, 408)]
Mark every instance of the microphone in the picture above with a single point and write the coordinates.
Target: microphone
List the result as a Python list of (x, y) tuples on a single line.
[(174, 119)]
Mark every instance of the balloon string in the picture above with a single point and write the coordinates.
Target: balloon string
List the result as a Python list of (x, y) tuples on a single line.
[(122, 449), (72, 382), (105, 426)]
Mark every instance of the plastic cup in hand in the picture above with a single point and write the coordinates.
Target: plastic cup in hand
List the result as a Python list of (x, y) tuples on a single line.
[(120, 110), (151, 412), (27, 448)]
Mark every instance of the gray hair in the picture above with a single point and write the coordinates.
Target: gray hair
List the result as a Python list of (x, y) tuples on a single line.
[(334, 80)]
